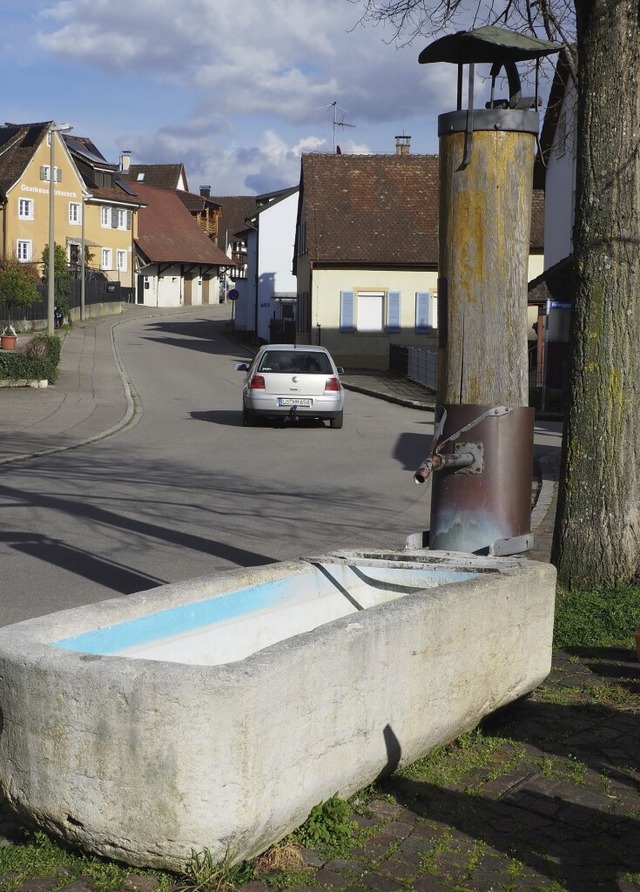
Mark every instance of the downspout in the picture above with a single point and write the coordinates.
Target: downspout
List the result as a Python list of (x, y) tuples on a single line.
[(256, 275), (4, 227)]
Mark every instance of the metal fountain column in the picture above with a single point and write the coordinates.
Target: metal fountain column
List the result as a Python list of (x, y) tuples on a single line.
[(482, 451)]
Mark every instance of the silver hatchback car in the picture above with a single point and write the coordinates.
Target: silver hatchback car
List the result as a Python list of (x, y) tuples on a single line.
[(291, 381)]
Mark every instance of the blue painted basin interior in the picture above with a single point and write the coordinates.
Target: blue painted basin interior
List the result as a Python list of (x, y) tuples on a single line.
[(350, 586)]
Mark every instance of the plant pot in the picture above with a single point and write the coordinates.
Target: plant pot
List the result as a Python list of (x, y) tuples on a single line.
[(8, 342)]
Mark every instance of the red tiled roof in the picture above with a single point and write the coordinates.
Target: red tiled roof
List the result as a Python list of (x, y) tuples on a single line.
[(195, 203), (380, 209), (162, 176), (167, 233), (537, 222)]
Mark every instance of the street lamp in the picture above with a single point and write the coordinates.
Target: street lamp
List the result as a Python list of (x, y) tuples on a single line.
[(51, 298)]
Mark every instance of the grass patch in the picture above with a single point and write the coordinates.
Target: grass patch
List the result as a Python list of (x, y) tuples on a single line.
[(597, 619), (40, 857), (204, 874), (470, 752), (565, 768)]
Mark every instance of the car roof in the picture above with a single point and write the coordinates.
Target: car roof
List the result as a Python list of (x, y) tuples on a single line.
[(302, 347)]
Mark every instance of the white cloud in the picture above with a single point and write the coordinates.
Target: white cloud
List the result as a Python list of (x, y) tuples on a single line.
[(239, 90)]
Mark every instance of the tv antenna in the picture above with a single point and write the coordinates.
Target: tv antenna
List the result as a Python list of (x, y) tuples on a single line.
[(336, 122)]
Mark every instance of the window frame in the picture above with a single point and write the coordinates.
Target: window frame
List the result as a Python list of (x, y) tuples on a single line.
[(121, 260), (30, 203), (77, 219), (27, 245), (106, 258)]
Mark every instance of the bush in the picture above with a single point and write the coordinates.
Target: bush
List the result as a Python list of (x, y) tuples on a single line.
[(39, 360), (17, 288)]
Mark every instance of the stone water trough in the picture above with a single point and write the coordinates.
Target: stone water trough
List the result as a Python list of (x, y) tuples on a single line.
[(215, 713)]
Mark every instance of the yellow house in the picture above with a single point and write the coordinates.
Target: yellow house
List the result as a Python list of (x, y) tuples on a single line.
[(90, 206), (25, 191)]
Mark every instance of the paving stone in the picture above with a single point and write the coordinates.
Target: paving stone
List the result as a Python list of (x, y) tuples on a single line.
[(382, 883), (329, 878), (401, 868), (39, 885), (345, 865), (82, 884), (143, 883), (384, 809)]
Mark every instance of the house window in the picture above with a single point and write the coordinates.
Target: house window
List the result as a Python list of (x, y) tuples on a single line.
[(370, 311), (106, 259), (105, 218), (121, 261), (25, 209), (24, 249), (45, 173), (75, 212)]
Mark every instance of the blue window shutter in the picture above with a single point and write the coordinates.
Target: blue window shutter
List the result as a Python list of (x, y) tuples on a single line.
[(423, 299), (393, 311), (347, 311)]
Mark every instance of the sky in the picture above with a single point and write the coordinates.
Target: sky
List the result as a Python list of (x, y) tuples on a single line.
[(236, 90)]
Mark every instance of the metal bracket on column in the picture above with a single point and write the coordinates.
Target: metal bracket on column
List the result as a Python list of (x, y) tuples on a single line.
[(513, 545)]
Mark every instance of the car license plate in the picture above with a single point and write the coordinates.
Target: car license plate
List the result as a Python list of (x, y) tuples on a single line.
[(293, 401)]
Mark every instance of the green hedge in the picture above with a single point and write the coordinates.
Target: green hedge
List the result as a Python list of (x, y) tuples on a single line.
[(40, 359)]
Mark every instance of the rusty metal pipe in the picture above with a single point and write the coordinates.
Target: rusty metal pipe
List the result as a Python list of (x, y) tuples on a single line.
[(437, 462)]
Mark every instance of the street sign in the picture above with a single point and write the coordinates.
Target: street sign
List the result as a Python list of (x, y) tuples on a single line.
[(234, 294)]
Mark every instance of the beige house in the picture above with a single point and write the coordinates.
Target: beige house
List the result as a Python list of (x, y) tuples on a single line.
[(366, 253), (109, 218)]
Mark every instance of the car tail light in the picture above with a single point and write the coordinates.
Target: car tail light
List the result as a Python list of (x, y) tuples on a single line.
[(256, 383), (332, 384)]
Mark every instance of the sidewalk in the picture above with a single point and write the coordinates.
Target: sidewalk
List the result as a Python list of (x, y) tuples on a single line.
[(547, 798), (91, 398)]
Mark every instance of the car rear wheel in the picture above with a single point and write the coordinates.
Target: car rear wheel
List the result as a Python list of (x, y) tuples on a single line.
[(248, 418), (336, 423)]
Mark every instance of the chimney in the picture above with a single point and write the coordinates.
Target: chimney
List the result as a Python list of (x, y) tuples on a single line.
[(125, 160), (205, 191), (403, 145)]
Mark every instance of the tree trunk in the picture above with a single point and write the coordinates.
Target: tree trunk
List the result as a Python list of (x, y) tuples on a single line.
[(598, 523)]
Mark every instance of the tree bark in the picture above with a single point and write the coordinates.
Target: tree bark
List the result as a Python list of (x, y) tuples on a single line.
[(598, 522)]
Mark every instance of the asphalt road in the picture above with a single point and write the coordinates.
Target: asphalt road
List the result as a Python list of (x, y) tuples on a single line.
[(187, 491)]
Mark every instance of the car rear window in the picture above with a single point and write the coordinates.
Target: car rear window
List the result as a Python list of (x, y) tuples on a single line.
[(295, 361)]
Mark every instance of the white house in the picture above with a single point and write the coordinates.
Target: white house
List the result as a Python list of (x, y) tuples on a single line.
[(267, 305)]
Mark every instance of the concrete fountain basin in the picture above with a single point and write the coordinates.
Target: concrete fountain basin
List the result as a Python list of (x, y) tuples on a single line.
[(215, 713)]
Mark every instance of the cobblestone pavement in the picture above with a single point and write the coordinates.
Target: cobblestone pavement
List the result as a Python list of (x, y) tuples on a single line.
[(547, 797)]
